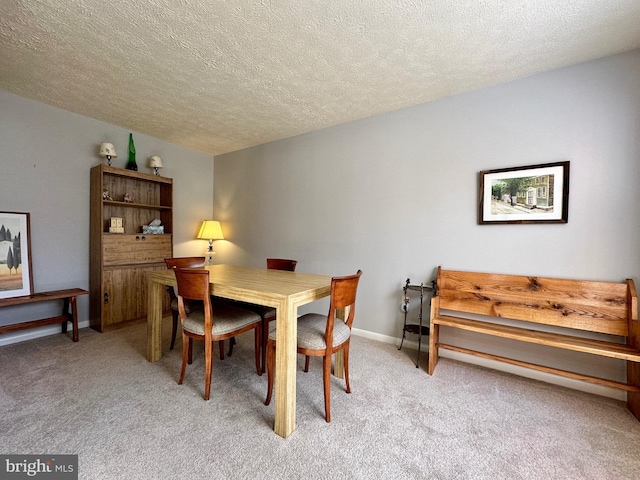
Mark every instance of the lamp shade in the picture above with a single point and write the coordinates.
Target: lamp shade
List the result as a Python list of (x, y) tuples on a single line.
[(155, 162), (210, 230), (107, 150)]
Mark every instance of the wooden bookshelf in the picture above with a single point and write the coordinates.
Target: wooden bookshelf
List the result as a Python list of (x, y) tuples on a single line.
[(120, 262)]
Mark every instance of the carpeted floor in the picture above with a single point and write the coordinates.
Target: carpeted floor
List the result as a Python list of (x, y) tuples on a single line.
[(127, 418)]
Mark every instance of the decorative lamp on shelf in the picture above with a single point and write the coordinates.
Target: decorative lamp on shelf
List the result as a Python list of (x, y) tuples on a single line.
[(155, 162), (210, 230), (108, 151)]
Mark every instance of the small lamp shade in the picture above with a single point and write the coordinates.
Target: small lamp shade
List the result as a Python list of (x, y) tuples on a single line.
[(210, 230), (155, 162), (108, 151)]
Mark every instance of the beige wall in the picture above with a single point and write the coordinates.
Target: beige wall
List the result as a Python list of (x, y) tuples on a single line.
[(396, 195)]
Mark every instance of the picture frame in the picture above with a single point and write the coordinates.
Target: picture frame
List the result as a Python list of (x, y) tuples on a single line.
[(528, 194), (16, 277)]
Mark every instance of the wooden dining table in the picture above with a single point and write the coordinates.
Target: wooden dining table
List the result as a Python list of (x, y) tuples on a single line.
[(285, 291)]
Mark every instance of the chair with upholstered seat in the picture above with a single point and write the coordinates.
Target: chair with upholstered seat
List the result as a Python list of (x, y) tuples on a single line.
[(181, 262), (208, 324), (185, 262), (322, 336)]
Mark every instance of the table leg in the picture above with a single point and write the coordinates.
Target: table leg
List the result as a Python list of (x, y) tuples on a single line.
[(155, 291), (286, 360)]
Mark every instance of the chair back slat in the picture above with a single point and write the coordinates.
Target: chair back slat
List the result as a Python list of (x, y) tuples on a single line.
[(184, 262), (193, 283), (281, 264), (343, 295)]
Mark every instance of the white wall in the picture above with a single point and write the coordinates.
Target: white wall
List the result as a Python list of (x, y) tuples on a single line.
[(45, 158), (396, 195)]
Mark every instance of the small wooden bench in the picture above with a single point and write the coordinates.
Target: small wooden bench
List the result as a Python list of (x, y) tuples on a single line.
[(69, 300), (603, 307)]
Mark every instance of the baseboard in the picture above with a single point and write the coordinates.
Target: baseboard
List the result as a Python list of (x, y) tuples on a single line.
[(501, 366), (24, 335), (379, 337)]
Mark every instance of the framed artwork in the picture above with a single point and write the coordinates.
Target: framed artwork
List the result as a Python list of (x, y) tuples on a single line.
[(531, 194), (15, 255)]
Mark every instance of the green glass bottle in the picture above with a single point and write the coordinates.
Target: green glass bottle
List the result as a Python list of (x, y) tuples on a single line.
[(131, 164)]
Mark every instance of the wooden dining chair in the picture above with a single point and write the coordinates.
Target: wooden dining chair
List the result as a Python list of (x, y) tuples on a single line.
[(186, 262), (181, 262), (268, 314), (208, 325), (322, 336)]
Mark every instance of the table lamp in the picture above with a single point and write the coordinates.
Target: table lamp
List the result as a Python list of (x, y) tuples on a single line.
[(210, 230), (108, 151), (155, 162)]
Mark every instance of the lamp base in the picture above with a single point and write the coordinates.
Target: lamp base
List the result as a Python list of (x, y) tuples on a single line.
[(210, 253)]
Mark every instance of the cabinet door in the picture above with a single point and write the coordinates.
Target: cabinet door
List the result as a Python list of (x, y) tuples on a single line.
[(119, 298), (125, 294)]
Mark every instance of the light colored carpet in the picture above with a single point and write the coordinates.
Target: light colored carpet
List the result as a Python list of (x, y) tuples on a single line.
[(127, 418)]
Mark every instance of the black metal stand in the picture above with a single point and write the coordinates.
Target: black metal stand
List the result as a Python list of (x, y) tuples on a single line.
[(418, 329)]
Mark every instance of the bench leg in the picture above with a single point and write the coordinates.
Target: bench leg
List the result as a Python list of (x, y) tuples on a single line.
[(74, 319), (434, 334), (633, 369), (70, 316), (633, 398), (65, 313)]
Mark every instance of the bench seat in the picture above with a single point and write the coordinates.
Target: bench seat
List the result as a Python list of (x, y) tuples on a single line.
[(69, 311), (609, 309), (568, 342)]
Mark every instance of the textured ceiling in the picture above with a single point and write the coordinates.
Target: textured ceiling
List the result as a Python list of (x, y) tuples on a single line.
[(216, 76)]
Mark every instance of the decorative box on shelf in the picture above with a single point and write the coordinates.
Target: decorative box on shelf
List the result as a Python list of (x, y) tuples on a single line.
[(154, 227), (116, 225)]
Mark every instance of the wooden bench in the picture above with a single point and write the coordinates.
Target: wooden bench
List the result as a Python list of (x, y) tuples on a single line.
[(69, 300), (603, 307)]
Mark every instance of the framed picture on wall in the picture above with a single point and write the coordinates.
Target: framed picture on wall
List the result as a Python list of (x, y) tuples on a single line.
[(15, 255), (530, 194)]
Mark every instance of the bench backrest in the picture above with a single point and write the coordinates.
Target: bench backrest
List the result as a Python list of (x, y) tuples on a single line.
[(604, 307)]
